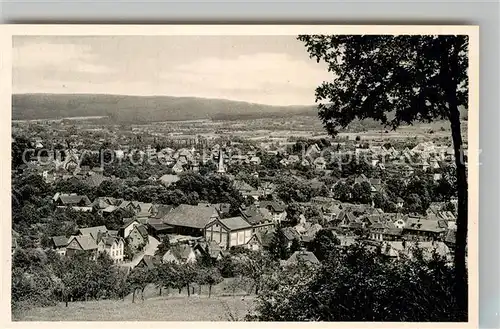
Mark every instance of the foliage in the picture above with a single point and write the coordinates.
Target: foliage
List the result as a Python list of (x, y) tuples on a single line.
[(394, 80), (360, 285), (324, 242), (163, 247), (278, 248)]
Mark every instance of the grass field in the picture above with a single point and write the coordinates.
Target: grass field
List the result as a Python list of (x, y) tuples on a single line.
[(222, 306), (194, 308)]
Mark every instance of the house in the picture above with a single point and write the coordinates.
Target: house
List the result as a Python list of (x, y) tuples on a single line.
[(255, 243), (229, 232), (400, 221), (313, 151), (158, 229), (267, 189), (190, 220), (347, 220), (292, 159), (255, 160), (307, 231), (148, 261), (95, 180), (305, 163), (138, 237), (245, 189), (291, 234), (210, 248), (181, 254), (113, 246), (424, 229), (302, 257), (260, 218), (73, 200), (93, 232), (82, 244), (59, 244), (399, 203), (277, 210), (397, 249), (319, 163)]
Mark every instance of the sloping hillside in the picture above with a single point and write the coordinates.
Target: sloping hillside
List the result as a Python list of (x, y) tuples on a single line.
[(143, 109)]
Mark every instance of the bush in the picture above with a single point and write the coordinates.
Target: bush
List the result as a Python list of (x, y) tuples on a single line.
[(360, 285)]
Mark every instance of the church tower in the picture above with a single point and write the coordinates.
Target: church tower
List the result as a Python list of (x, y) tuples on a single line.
[(221, 167)]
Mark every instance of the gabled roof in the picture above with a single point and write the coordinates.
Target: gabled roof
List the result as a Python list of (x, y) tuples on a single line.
[(235, 223), (180, 252), (162, 210), (274, 205), (302, 256), (142, 230), (93, 231), (291, 233), (190, 216), (86, 242), (60, 241), (95, 180), (128, 222), (72, 199), (252, 214), (241, 185)]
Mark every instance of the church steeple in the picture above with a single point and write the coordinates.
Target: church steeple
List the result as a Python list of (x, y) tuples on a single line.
[(221, 168)]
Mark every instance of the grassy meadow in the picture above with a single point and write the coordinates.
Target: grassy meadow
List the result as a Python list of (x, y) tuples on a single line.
[(225, 304)]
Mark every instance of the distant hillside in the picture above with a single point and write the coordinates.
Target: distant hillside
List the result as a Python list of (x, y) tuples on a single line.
[(129, 109)]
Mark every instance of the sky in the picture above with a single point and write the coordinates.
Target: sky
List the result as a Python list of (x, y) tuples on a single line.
[(274, 70)]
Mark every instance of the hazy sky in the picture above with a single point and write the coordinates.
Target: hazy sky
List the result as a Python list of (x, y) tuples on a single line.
[(263, 69)]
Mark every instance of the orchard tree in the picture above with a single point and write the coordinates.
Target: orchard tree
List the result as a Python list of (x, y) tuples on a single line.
[(399, 79)]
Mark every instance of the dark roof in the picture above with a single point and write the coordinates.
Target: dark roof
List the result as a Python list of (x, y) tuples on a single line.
[(265, 238), (74, 199), (180, 251), (235, 223), (60, 241), (158, 225), (450, 236), (252, 215), (128, 221), (275, 206), (95, 180), (291, 233), (147, 261), (190, 216), (162, 210), (142, 229), (303, 256)]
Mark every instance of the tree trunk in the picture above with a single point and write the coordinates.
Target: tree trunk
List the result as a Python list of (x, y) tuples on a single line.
[(142, 293), (133, 296), (199, 289), (160, 291), (180, 290), (461, 286), (189, 291), (209, 291), (462, 218)]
